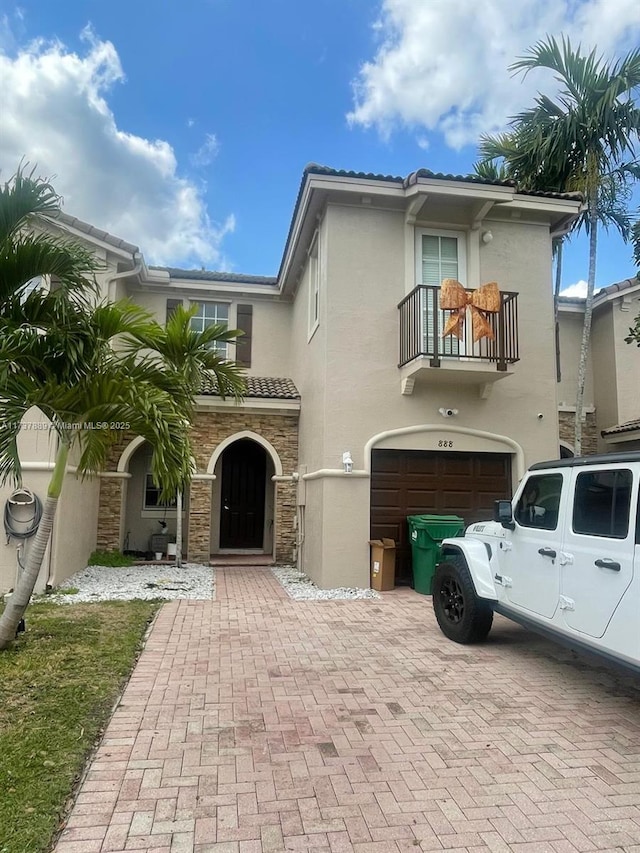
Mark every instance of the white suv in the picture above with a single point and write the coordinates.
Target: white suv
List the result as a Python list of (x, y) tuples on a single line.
[(559, 558)]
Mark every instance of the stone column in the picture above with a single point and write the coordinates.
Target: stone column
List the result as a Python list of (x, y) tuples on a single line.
[(110, 513), (199, 550), (285, 516)]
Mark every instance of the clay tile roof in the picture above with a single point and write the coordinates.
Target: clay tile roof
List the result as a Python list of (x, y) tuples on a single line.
[(618, 286), (265, 387), (629, 426), (412, 178)]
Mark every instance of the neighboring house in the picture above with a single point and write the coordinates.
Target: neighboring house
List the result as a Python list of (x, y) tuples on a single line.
[(345, 364), (612, 391)]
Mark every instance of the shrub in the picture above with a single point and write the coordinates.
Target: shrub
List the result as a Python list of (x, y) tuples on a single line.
[(110, 558)]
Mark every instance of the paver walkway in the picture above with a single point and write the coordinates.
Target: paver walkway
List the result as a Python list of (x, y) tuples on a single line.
[(257, 723)]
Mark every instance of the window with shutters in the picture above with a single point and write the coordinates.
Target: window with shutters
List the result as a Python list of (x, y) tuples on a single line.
[(440, 255), (211, 314)]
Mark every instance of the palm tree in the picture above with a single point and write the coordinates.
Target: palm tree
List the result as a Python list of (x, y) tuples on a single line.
[(514, 156), (82, 388), (26, 255), (582, 139), (183, 356), (506, 156), (85, 365), (634, 331)]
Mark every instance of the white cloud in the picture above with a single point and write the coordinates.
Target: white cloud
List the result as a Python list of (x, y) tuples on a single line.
[(55, 114), (442, 66), (575, 291), (208, 151)]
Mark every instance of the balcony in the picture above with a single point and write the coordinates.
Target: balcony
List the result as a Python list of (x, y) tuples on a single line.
[(425, 356)]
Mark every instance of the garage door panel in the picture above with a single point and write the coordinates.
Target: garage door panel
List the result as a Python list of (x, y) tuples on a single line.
[(385, 497), (411, 482), (419, 464), (489, 468), (418, 497), (459, 499), (454, 467)]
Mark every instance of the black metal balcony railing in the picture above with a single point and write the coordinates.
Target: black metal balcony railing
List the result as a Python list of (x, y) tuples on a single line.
[(422, 321)]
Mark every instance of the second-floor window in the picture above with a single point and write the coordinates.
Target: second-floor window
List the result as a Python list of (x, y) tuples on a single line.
[(211, 314), (440, 255), (314, 287)]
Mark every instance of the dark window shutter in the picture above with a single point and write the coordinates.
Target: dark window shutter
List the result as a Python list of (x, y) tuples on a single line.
[(172, 304), (245, 324)]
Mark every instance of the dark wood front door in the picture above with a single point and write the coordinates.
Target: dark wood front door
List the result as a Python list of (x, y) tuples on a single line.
[(244, 469), (420, 482)]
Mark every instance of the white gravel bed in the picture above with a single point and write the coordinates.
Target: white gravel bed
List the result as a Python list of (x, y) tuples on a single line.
[(147, 581), (301, 588)]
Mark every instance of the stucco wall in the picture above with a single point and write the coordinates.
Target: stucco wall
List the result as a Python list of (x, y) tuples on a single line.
[(571, 324), (605, 373), (141, 523), (308, 367), (37, 449), (270, 350), (627, 357), (74, 535), (361, 395)]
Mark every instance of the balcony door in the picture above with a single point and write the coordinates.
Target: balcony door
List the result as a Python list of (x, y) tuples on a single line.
[(440, 255)]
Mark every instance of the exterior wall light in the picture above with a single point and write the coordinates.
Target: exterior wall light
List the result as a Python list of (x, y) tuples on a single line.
[(347, 462), (487, 237)]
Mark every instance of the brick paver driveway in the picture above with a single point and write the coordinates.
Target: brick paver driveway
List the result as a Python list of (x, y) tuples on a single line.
[(256, 723)]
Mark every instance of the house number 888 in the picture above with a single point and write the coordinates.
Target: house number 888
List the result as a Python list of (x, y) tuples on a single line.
[(442, 443)]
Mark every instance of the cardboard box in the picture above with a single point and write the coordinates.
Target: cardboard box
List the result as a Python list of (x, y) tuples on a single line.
[(383, 564)]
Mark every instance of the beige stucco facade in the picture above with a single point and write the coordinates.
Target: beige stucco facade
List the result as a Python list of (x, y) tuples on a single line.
[(329, 324), (612, 394)]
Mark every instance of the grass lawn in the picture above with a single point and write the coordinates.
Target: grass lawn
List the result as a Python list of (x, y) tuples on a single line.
[(58, 685)]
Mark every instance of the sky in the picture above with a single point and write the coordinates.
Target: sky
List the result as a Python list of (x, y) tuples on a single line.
[(184, 127)]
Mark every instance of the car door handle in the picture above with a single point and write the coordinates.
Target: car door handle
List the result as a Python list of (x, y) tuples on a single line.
[(608, 564), (547, 552)]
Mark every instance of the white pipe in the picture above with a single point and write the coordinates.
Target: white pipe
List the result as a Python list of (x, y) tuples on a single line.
[(335, 472), (137, 269)]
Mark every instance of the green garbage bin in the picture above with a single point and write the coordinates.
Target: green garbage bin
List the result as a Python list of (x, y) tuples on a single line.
[(426, 533)]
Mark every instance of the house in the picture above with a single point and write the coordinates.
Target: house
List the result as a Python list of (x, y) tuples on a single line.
[(358, 411), (612, 395)]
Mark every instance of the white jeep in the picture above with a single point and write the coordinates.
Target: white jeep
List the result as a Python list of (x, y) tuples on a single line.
[(559, 559)]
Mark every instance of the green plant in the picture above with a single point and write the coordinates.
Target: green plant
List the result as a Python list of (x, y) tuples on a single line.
[(110, 558), (58, 683)]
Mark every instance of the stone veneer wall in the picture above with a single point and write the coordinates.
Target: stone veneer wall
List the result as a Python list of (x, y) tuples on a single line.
[(566, 423), (211, 428), (109, 534)]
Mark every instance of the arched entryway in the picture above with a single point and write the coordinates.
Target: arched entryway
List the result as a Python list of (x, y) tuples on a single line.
[(148, 524), (244, 510)]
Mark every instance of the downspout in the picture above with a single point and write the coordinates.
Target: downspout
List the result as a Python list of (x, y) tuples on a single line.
[(137, 269)]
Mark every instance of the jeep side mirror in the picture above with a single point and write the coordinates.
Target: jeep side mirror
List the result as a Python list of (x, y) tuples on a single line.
[(502, 513)]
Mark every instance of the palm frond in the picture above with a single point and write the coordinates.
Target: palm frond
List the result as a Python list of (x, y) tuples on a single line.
[(23, 196)]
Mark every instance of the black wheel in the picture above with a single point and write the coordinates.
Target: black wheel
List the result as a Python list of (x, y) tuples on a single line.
[(462, 616)]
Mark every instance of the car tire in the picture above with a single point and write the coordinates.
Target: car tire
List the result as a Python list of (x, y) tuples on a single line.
[(462, 616)]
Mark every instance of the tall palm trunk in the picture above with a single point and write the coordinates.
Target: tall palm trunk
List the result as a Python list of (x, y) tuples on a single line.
[(588, 312), (17, 604), (556, 297), (179, 529)]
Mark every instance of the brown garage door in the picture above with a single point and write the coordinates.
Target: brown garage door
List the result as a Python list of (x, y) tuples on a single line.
[(414, 482)]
